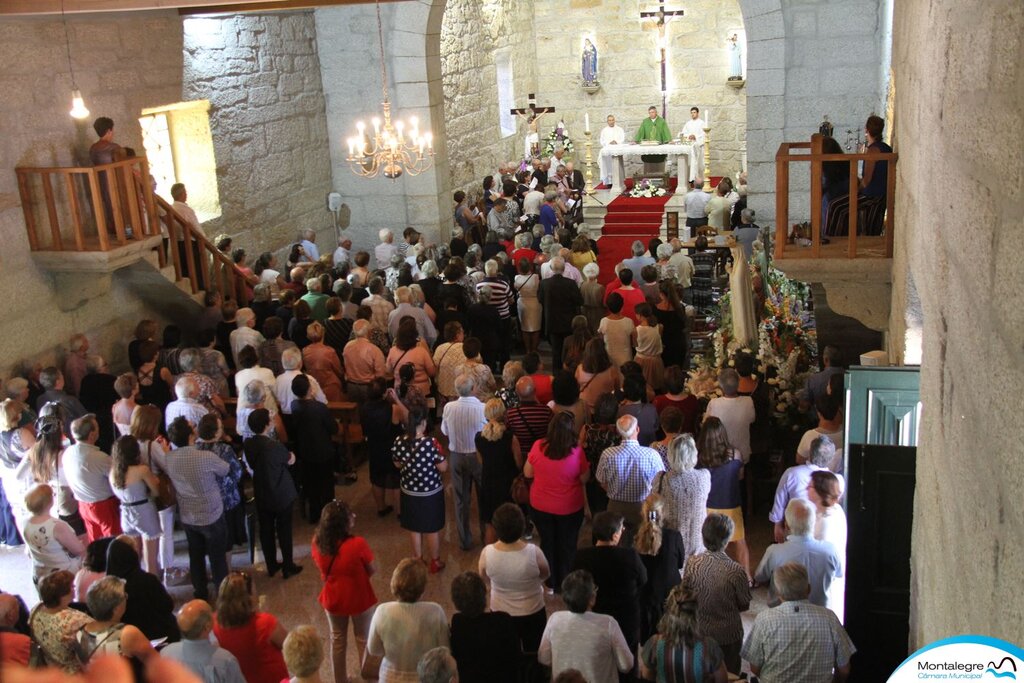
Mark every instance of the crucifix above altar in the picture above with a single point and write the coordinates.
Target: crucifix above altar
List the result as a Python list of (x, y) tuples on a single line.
[(661, 16), (532, 114)]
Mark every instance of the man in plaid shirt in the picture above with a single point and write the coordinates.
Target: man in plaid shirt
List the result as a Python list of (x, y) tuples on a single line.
[(797, 642), (626, 472)]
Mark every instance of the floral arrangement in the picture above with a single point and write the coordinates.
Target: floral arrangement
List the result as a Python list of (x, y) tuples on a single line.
[(786, 350), (645, 188), (558, 137)]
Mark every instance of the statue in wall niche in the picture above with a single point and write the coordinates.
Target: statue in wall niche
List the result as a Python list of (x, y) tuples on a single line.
[(735, 58), (589, 64)]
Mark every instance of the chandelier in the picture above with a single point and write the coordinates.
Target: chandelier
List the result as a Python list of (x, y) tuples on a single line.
[(393, 148)]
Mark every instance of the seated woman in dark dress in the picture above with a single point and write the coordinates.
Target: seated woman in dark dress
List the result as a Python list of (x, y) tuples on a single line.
[(835, 184), (485, 644), (875, 182)]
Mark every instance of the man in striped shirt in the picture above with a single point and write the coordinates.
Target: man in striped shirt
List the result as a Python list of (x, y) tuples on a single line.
[(501, 298), (462, 420), (529, 420)]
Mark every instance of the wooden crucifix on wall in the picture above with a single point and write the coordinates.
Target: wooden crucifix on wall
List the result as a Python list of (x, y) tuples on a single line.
[(532, 113), (661, 15)]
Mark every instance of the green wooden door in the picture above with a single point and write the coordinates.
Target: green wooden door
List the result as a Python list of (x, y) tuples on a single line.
[(883, 411)]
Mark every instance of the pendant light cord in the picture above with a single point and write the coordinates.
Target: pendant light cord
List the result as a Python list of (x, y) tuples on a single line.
[(67, 46), (383, 66)]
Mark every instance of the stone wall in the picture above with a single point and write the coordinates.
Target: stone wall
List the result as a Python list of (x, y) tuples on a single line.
[(808, 59), (350, 72), (959, 86), (261, 74), (629, 66), (471, 32), (123, 63)]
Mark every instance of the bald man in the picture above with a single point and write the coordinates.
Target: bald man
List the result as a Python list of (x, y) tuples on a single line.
[(14, 647), (213, 664), (529, 420), (626, 472)]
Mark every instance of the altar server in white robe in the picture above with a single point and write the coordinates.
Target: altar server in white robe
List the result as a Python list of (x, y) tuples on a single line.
[(610, 135), (693, 132)]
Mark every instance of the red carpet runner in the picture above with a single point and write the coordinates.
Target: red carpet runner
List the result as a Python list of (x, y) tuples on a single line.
[(628, 219)]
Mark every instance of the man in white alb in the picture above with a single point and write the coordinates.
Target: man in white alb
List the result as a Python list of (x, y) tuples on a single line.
[(693, 132), (610, 135)]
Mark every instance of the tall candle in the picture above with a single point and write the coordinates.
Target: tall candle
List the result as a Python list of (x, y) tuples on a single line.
[(586, 120), (707, 118)]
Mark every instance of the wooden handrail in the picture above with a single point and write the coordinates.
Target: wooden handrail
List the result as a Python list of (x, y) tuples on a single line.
[(234, 274), (119, 194), (787, 154)]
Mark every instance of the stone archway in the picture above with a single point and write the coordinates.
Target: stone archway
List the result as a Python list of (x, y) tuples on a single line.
[(765, 90)]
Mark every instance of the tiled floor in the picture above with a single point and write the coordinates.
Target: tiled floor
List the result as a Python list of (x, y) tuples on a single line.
[(295, 601)]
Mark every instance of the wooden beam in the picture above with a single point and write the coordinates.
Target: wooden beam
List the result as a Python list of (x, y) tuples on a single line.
[(53, 7), (269, 5)]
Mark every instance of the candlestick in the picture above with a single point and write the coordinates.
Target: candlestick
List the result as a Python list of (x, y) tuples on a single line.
[(707, 158), (588, 187)]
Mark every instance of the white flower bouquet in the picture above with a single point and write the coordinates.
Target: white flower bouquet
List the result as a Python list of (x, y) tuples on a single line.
[(647, 189)]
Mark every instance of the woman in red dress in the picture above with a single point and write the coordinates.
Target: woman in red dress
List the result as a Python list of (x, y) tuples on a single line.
[(346, 563)]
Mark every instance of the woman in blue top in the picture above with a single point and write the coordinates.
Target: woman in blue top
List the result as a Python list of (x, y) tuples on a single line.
[(715, 454)]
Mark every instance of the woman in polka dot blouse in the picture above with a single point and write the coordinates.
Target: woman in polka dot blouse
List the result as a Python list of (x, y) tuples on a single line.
[(420, 461)]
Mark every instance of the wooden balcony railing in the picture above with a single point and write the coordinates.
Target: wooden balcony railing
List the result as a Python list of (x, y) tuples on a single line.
[(91, 208), (103, 208), (876, 246)]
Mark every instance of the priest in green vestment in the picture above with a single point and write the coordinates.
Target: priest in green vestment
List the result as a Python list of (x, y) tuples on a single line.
[(653, 128)]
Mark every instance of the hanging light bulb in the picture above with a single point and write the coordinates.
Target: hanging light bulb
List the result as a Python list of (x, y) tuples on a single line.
[(78, 108)]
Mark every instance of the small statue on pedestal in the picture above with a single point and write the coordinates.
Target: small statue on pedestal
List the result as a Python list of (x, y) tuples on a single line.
[(589, 64), (735, 58)]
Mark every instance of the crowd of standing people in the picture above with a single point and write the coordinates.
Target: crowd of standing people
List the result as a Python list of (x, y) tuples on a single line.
[(438, 347)]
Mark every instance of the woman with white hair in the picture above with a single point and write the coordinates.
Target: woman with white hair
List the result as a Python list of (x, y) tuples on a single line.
[(593, 296), (418, 298), (430, 283), (392, 271), (108, 635), (254, 396), (747, 232), (523, 248), (638, 261), (666, 271), (685, 491)]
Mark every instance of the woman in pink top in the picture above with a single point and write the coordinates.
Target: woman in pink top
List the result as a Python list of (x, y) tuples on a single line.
[(559, 470)]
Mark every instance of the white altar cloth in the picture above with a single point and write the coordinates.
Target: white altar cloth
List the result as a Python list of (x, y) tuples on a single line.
[(617, 154)]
